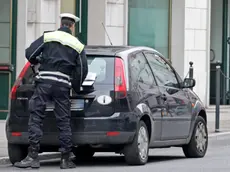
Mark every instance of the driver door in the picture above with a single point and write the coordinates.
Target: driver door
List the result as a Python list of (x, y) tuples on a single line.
[(176, 122)]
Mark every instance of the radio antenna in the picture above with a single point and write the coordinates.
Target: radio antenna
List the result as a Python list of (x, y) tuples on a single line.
[(107, 33)]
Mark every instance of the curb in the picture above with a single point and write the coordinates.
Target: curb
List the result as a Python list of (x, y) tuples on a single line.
[(43, 156), (224, 133)]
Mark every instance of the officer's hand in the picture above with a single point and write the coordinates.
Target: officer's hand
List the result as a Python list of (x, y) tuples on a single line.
[(38, 59)]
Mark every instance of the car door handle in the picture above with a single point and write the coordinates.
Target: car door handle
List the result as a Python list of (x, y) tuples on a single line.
[(164, 97)]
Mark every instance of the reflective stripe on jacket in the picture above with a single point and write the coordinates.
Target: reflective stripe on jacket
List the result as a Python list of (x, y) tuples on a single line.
[(65, 39)]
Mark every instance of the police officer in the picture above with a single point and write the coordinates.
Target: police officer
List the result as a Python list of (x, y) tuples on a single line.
[(61, 55)]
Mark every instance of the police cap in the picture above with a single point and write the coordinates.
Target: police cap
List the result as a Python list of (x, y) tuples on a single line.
[(70, 16)]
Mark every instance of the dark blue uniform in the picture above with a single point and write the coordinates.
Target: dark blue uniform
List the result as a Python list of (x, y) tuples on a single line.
[(62, 56)]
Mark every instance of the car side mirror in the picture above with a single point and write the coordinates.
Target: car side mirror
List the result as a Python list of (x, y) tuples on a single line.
[(189, 83)]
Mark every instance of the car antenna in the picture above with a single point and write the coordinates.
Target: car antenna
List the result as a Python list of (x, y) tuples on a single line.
[(107, 33)]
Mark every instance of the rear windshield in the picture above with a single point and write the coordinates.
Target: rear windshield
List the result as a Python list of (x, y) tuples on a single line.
[(103, 67)]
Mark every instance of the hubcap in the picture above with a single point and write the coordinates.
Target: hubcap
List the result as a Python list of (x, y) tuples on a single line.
[(143, 142), (201, 137)]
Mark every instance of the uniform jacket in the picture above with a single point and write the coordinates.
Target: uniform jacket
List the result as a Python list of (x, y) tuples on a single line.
[(62, 57)]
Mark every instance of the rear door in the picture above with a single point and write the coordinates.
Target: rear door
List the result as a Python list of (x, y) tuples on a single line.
[(176, 122), (144, 90), (97, 103)]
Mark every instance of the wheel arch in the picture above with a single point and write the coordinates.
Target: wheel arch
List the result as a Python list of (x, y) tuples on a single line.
[(143, 112), (146, 119), (200, 111)]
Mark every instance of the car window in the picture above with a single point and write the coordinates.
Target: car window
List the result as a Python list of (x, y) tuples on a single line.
[(141, 72), (98, 66), (103, 67), (163, 73)]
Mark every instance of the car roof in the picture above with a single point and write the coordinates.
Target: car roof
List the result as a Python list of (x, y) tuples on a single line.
[(105, 50), (110, 50)]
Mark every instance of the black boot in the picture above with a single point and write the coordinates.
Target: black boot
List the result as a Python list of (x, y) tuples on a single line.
[(66, 163), (30, 161)]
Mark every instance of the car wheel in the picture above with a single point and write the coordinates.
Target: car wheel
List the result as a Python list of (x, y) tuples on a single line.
[(16, 152), (83, 153), (136, 153), (198, 144)]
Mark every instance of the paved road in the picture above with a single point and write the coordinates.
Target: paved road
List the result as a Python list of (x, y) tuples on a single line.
[(161, 160)]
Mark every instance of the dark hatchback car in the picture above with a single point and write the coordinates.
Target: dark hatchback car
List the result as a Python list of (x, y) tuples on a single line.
[(138, 102)]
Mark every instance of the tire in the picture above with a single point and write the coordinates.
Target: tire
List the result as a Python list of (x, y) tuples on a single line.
[(192, 150), (16, 152), (83, 153), (132, 152)]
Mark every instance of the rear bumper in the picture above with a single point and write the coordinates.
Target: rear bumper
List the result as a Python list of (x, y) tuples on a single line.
[(78, 138), (84, 130)]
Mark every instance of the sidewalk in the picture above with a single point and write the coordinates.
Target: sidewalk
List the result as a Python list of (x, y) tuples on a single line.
[(224, 119), (224, 126)]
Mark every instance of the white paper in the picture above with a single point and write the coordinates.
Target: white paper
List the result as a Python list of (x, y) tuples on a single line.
[(91, 76), (90, 79)]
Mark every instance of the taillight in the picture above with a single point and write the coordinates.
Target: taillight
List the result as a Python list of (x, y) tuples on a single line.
[(120, 82), (18, 81), (16, 134), (112, 133)]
